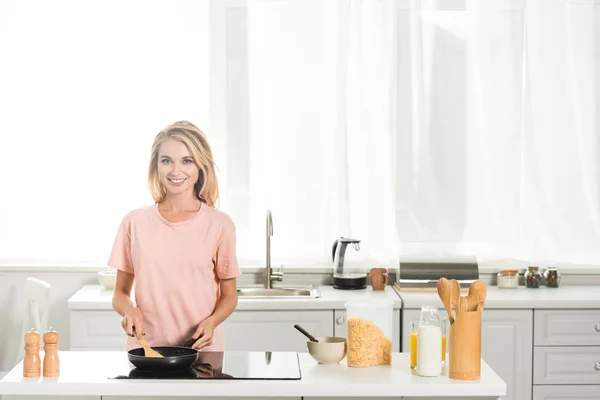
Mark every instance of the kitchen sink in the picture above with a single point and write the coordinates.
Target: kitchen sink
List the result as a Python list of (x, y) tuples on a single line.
[(261, 292)]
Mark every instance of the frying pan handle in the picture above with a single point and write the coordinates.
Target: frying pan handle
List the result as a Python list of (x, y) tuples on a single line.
[(191, 342)]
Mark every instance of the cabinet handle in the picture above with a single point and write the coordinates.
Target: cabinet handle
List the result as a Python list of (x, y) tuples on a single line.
[(340, 320), (598, 327), (597, 367)]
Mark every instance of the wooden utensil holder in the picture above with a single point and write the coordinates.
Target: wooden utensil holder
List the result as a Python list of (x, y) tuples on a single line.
[(465, 346)]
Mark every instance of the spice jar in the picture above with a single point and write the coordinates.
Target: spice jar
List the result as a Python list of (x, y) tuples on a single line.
[(508, 278), (552, 277), (533, 277)]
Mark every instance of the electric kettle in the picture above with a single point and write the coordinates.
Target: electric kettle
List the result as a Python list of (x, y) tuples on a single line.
[(343, 280)]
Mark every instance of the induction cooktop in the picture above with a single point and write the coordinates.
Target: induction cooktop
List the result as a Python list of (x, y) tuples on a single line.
[(230, 365)]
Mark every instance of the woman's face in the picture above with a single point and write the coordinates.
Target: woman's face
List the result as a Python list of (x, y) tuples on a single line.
[(176, 168)]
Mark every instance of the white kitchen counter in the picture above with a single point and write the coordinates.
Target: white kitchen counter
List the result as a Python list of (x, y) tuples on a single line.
[(87, 373), (562, 297), (96, 297)]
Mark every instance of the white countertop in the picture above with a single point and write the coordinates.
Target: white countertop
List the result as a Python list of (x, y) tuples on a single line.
[(521, 297), (87, 373), (96, 297)]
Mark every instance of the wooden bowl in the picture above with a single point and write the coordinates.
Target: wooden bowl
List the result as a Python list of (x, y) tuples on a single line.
[(328, 349)]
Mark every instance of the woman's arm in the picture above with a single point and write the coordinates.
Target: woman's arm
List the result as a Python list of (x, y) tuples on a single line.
[(122, 304), (223, 309)]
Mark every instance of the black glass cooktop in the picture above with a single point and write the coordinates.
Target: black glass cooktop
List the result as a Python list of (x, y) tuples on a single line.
[(230, 365)]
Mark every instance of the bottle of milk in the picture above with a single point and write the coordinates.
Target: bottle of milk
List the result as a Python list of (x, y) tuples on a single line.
[(429, 342)]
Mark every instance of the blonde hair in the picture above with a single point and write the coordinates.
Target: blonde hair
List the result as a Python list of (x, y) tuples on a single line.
[(206, 188)]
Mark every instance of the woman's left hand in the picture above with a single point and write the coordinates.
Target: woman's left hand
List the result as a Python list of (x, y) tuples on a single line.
[(204, 333)]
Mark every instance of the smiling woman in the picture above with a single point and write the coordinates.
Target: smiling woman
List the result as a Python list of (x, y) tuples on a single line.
[(180, 251)]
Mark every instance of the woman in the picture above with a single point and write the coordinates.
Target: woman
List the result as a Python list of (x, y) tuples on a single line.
[(180, 251)]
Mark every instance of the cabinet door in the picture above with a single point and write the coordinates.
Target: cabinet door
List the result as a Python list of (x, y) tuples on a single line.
[(566, 365), (274, 330), (506, 345), (96, 330), (42, 397), (340, 327), (557, 392)]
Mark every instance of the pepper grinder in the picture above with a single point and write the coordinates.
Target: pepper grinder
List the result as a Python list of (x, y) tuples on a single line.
[(32, 367), (51, 362)]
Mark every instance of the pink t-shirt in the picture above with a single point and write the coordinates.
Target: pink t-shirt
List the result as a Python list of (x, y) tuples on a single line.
[(177, 267)]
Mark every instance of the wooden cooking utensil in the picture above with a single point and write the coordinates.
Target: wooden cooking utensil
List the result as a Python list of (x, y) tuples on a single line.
[(480, 289), (464, 305), (455, 294), (472, 302), (148, 351), (445, 292), (305, 333)]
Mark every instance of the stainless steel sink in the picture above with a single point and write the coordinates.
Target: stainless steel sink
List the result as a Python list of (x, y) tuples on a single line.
[(261, 292)]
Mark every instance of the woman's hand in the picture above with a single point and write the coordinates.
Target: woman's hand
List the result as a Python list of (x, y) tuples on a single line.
[(133, 318), (204, 333)]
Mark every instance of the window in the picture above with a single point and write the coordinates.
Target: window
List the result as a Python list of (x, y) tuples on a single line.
[(418, 128)]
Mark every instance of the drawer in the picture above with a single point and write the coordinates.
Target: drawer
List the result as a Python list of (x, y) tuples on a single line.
[(567, 327), (566, 366), (96, 329), (583, 392)]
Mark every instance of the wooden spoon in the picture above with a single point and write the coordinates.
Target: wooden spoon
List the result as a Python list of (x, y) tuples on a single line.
[(480, 289), (305, 333), (455, 295), (148, 351), (445, 292), (464, 305), (472, 302)]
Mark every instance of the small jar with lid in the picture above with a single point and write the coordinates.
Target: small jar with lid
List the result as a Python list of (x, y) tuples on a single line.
[(508, 278), (552, 277), (533, 278)]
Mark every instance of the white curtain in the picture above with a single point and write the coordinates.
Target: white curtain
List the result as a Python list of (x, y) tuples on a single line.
[(426, 127), (417, 126), (84, 88)]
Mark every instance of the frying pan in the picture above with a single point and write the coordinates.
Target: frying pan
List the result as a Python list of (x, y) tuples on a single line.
[(175, 358)]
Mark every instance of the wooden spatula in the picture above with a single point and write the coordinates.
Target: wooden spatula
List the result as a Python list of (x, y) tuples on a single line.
[(148, 351)]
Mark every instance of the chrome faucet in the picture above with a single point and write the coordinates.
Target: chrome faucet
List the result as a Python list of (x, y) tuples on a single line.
[(270, 276)]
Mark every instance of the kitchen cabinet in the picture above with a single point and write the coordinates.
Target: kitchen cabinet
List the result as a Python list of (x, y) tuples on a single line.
[(340, 327), (96, 330), (193, 398), (50, 397), (137, 398), (274, 330), (566, 358), (506, 345), (244, 330), (553, 392)]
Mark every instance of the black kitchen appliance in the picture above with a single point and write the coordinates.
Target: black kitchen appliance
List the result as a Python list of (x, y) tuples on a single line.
[(341, 279), (174, 358), (228, 365)]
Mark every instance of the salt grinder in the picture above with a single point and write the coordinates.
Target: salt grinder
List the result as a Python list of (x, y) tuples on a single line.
[(51, 362), (31, 363)]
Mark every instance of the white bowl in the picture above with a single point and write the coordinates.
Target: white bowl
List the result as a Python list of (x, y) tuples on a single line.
[(328, 349), (107, 279)]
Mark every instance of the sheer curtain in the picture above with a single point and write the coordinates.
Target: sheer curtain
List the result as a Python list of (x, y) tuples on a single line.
[(434, 127), (84, 88), (426, 127)]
